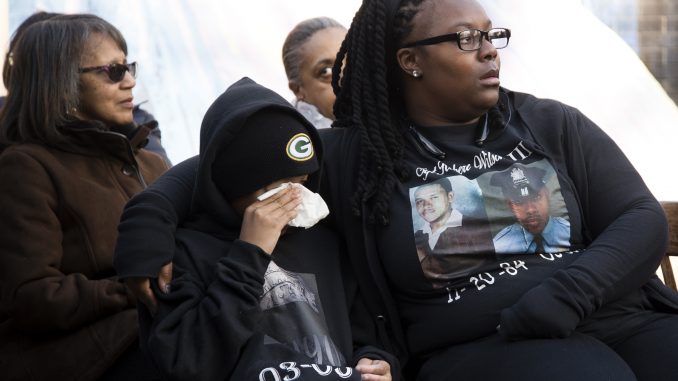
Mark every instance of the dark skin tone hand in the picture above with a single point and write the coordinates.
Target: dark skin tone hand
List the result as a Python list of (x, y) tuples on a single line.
[(141, 287)]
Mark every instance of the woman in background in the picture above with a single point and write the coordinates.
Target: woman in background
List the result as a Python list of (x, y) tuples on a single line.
[(308, 55), (141, 116), (72, 161)]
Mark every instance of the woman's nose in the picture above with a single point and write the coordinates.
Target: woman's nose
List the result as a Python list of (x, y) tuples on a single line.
[(487, 50)]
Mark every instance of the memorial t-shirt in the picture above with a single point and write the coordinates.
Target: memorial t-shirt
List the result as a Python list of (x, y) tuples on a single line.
[(484, 225)]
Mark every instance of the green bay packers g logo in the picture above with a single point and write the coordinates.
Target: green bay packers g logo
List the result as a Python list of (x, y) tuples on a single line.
[(300, 148)]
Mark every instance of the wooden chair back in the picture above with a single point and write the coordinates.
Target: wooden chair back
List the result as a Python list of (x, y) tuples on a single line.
[(671, 209)]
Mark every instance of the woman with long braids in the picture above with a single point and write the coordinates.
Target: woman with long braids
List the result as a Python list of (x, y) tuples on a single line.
[(494, 235), (568, 292)]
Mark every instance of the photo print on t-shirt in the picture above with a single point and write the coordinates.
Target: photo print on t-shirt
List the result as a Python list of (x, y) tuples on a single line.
[(451, 230), (293, 315), (526, 209)]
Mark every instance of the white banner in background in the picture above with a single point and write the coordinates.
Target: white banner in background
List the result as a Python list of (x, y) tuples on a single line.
[(190, 51)]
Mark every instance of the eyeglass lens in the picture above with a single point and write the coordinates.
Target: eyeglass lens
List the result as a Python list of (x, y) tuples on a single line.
[(116, 72), (472, 39)]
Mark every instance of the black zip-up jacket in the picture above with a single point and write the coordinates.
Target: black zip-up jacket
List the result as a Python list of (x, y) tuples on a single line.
[(623, 226)]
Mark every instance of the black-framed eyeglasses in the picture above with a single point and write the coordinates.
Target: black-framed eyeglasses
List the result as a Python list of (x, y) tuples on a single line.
[(469, 40), (115, 72)]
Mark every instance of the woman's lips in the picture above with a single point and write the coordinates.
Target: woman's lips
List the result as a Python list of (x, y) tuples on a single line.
[(128, 103), (491, 78)]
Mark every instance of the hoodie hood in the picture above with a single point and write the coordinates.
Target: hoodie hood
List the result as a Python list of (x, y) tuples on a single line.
[(221, 124)]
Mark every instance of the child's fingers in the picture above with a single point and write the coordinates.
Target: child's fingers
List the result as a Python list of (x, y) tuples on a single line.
[(374, 369), (279, 199)]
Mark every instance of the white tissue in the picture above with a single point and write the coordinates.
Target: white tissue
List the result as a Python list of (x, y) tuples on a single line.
[(312, 209), (273, 191)]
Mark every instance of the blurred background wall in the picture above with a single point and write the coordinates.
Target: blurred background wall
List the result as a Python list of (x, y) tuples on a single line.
[(650, 27), (658, 41)]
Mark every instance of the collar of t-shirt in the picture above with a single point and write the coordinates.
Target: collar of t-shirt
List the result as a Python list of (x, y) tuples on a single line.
[(449, 135)]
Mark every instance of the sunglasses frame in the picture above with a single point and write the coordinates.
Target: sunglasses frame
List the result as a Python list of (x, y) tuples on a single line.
[(111, 70)]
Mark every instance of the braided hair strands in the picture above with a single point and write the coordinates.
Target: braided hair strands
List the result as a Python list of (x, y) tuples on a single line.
[(368, 99)]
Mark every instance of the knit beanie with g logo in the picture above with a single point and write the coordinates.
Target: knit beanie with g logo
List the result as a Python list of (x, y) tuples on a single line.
[(272, 144)]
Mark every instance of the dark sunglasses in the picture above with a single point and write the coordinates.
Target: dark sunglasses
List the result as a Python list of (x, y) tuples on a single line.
[(115, 72)]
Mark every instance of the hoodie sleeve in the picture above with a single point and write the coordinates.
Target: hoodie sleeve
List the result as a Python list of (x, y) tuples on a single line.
[(625, 223), (201, 327), (364, 332), (149, 221), (365, 339), (374, 321)]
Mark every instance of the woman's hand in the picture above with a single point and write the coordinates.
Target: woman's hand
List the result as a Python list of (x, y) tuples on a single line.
[(141, 287), (263, 221), (374, 370)]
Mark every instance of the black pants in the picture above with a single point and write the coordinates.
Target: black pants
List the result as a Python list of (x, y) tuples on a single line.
[(635, 346)]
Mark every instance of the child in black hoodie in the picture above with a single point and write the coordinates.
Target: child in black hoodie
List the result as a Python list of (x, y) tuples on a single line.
[(251, 297)]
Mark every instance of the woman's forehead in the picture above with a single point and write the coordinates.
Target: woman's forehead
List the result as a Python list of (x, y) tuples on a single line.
[(101, 47), (448, 15)]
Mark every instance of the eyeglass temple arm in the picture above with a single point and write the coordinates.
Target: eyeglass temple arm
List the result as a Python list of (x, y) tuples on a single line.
[(433, 40)]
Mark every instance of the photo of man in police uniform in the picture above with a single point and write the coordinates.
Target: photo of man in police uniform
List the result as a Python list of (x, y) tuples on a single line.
[(528, 198)]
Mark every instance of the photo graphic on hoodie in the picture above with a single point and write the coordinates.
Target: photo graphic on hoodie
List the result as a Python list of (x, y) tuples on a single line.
[(293, 316)]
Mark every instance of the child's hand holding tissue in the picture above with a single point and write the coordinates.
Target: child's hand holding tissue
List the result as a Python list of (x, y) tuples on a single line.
[(311, 210), (290, 204)]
